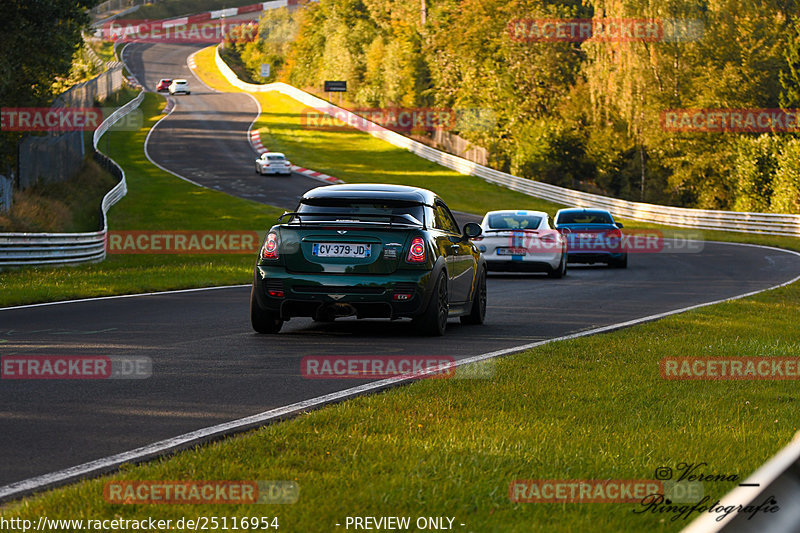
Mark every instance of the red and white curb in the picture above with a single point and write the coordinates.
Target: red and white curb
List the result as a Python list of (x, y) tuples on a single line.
[(315, 175), (170, 105), (231, 12), (133, 82), (255, 141), (254, 137)]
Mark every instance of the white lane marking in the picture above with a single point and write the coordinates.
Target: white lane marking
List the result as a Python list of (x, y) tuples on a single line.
[(250, 140), (147, 153), (100, 298), (150, 132), (163, 447)]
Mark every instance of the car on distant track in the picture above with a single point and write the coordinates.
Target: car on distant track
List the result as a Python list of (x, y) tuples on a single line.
[(179, 86), (163, 85), (273, 163), (522, 241), (593, 236), (369, 251)]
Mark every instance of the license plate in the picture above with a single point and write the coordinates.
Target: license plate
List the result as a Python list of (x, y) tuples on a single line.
[(324, 249), (511, 251)]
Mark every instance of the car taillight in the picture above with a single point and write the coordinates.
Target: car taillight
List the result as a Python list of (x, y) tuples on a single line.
[(478, 238), (548, 237), (270, 248), (416, 254)]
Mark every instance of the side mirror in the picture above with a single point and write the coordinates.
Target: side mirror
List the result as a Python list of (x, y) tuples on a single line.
[(472, 230), (619, 225)]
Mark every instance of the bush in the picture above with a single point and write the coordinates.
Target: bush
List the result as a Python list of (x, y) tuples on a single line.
[(549, 151), (786, 185), (754, 172)]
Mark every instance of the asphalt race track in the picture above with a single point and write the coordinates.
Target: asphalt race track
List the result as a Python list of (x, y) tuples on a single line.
[(210, 367), (205, 139)]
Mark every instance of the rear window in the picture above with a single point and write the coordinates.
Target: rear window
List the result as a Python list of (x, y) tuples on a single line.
[(333, 210), (511, 221), (276, 157), (587, 217)]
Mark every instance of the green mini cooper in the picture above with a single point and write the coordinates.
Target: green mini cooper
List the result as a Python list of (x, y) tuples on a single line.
[(370, 251)]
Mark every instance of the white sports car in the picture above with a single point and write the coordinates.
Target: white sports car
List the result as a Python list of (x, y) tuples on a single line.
[(515, 241), (273, 163), (179, 86)]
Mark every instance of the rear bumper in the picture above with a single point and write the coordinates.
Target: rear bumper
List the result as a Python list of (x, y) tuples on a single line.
[(530, 262), (331, 295), (594, 257), (493, 265), (274, 171)]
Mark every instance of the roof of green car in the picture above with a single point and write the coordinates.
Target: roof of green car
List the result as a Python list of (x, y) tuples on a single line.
[(376, 191)]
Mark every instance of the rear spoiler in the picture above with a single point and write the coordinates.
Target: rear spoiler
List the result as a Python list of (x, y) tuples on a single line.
[(351, 218)]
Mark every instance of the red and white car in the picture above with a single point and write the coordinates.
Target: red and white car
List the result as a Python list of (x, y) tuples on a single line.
[(522, 241)]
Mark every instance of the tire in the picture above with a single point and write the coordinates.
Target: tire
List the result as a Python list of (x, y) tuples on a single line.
[(263, 321), (258, 171), (561, 270), (621, 263), (433, 321), (477, 314)]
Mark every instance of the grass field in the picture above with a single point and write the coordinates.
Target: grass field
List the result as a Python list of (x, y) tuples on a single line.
[(590, 408)]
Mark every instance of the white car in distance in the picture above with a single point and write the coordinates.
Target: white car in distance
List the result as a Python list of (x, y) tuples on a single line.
[(179, 86), (273, 163), (522, 241)]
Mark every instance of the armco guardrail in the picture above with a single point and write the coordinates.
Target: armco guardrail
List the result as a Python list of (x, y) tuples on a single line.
[(770, 223), (775, 484), (20, 249)]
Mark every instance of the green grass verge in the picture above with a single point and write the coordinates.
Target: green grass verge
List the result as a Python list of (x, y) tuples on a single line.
[(103, 49), (590, 408), (360, 158), (156, 200)]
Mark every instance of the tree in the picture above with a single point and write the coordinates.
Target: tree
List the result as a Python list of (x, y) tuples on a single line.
[(38, 39)]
